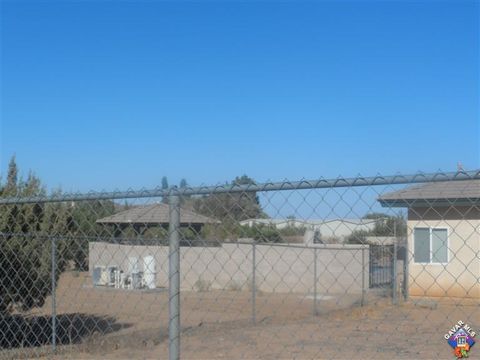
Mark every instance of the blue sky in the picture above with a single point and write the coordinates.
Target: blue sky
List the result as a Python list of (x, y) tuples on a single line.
[(106, 95)]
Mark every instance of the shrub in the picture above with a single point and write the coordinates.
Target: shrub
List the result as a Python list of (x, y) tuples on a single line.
[(202, 285)]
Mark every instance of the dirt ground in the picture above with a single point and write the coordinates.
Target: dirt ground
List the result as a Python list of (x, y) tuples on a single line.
[(100, 323)]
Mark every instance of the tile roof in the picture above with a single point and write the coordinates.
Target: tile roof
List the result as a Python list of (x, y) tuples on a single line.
[(155, 214), (454, 192)]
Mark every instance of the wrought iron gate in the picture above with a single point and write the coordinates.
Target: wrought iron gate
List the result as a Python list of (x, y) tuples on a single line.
[(381, 265)]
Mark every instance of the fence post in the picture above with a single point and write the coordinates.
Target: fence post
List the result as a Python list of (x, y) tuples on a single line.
[(54, 295), (254, 285), (314, 281), (406, 260), (174, 279), (363, 276), (394, 277), (394, 266)]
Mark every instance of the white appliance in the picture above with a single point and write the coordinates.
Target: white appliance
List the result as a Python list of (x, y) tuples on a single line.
[(98, 276), (149, 272)]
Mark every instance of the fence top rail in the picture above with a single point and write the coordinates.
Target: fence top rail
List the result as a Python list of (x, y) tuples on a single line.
[(262, 187), (258, 244)]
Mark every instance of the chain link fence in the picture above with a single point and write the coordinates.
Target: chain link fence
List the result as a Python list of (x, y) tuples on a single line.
[(376, 267)]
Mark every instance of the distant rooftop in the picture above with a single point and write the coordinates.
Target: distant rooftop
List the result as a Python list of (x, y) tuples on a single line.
[(155, 214), (444, 193), (308, 221)]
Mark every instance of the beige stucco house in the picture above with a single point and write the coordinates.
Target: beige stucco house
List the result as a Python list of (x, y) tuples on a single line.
[(443, 237)]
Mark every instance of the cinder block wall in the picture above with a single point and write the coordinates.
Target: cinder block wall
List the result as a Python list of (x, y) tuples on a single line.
[(279, 268)]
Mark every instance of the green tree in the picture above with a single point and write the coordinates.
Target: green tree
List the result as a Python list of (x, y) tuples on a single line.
[(10, 188), (232, 207), (184, 199), (84, 229), (183, 184), (385, 225), (164, 183), (388, 225), (261, 233), (27, 232), (25, 261), (165, 187)]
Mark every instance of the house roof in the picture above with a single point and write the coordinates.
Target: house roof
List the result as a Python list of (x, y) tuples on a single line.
[(443, 193), (155, 214)]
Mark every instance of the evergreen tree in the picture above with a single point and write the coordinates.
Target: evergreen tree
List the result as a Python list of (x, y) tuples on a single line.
[(165, 187), (84, 228), (10, 187), (164, 183), (184, 199), (25, 269), (27, 232)]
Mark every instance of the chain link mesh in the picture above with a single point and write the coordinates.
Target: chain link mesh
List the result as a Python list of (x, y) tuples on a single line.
[(364, 268)]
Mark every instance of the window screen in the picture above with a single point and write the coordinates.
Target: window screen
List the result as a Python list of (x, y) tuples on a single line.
[(439, 246), (421, 245)]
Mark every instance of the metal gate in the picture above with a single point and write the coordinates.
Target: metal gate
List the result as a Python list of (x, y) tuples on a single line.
[(381, 265)]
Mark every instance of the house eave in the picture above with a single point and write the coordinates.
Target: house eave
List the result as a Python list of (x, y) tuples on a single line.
[(422, 203)]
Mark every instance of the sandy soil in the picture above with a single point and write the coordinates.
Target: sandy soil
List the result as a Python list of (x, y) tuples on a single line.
[(119, 324)]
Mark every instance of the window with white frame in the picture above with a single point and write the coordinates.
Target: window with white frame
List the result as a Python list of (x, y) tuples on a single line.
[(430, 245)]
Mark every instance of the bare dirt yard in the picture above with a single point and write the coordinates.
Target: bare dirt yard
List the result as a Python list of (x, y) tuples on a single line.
[(101, 323)]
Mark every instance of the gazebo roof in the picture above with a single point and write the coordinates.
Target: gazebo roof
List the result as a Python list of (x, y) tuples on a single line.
[(155, 214)]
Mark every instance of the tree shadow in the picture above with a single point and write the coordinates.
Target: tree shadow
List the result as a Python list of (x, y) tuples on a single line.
[(32, 331)]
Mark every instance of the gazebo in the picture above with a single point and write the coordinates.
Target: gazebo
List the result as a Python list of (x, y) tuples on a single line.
[(141, 218)]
